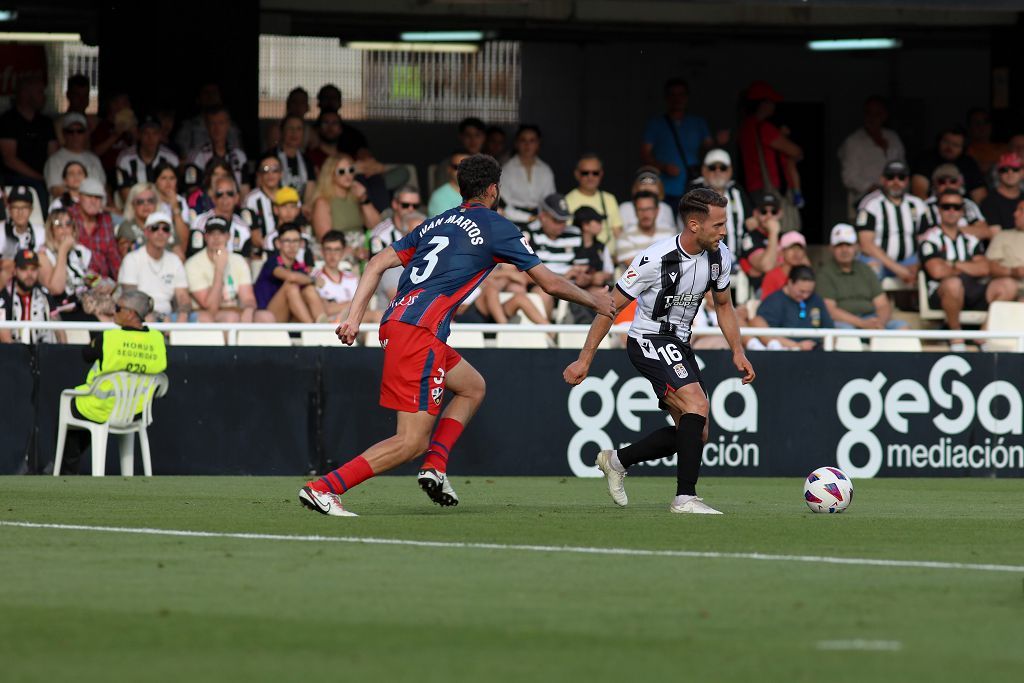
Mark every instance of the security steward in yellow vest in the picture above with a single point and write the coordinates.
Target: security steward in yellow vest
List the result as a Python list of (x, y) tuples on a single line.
[(131, 348)]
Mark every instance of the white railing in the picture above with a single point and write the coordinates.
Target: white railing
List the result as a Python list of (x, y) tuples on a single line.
[(829, 336)]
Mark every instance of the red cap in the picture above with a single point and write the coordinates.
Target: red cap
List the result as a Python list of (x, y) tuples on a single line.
[(759, 90), (1011, 159)]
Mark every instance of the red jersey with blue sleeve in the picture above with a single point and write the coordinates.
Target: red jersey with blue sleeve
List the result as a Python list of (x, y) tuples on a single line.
[(446, 257)]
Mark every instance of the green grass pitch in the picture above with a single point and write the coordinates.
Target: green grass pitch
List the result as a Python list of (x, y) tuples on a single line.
[(86, 605)]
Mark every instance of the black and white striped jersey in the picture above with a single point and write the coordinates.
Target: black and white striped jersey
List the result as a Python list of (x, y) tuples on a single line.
[(260, 203), (669, 285), (736, 212), (234, 156), (131, 169), (557, 253), (972, 214), (937, 244), (895, 226)]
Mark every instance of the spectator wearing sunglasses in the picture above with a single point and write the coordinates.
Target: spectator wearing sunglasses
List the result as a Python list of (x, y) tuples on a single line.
[(225, 203), (796, 305), (1001, 205), (341, 202), (75, 149), (759, 249), (866, 150), (260, 201), (589, 173), (158, 272), (950, 148), (716, 173), (887, 223), (139, 163), (447, 196), (948, 177), (140, 204), (956, 268)]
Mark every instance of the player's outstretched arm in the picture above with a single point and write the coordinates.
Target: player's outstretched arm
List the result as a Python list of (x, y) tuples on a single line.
[(560, 288), (731, 329), (577, 371), (385, 260)]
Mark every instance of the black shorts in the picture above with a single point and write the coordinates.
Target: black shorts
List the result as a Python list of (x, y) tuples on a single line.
[(666, 362), (974, 294)]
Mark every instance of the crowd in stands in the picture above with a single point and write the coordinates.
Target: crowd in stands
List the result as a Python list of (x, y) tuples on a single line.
[(179, 211)]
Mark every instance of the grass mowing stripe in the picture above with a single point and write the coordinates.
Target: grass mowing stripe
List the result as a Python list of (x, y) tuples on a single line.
[(813, 559)]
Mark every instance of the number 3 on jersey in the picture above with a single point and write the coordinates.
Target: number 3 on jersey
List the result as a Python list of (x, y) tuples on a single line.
[(418, 275)]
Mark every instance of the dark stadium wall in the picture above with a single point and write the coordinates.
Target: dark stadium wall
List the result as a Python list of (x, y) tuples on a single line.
[(272, 411), (162, 54)]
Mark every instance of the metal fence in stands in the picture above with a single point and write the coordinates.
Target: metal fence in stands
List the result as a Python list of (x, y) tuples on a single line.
[(829, 337)]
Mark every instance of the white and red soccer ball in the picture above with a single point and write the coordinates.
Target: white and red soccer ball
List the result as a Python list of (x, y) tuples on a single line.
[(828, 489)]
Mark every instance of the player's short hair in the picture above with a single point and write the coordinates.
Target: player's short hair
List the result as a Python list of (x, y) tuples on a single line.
[(332, 236), (406, 189), (801, 273), (476, 173), (471, 122), (698, 202)]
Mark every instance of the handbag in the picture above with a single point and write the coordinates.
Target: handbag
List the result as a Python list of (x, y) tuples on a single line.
[(790, 214)]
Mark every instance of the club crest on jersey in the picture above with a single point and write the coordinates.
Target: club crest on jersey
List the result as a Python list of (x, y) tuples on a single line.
[(715, 271), (680, 370), (630, 277), (436, 393)]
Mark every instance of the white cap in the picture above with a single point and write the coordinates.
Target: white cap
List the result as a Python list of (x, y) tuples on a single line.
[(91, 187), (159, 217), (718, 156), (843, 233)]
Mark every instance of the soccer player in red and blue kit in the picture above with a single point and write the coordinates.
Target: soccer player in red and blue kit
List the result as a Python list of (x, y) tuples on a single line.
[(445, 259)]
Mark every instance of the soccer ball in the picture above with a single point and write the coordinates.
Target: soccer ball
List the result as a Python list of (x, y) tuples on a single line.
[(828, 489)]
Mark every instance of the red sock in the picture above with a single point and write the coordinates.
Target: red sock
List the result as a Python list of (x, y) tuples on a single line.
[(447, 433), (352, 473)]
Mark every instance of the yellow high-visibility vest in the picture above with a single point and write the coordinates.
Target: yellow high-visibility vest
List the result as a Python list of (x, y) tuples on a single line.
[(140, 351)]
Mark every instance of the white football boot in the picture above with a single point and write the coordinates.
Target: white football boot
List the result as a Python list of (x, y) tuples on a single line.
[(691, 504), (437, 487), (613, 478), (324, 503)]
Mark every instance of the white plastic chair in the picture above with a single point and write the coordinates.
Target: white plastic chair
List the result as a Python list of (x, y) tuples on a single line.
[(320, 338), (127, 389), (463, 339), (77, 337), (848, 344), (522, 340), (196, 338), (1004, 316), (263, 338), (929, 313), (895, 344), (575, 341)]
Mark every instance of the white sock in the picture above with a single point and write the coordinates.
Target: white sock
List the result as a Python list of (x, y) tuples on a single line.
[(616, 465)]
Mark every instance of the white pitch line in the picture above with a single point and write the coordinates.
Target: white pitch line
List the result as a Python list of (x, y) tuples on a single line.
[(857, 644), (579, 550)]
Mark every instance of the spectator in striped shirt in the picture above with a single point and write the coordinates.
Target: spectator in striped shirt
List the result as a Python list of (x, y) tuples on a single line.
[(553, 240), (138, 163), (948, 177), (261, 200), (955, 265), (887, 222)]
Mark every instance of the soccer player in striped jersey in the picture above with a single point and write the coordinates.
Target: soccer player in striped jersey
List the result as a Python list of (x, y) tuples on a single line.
[(668, 280), (445, 259)]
